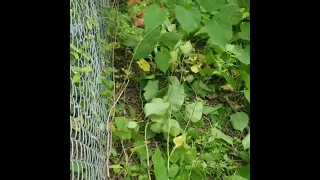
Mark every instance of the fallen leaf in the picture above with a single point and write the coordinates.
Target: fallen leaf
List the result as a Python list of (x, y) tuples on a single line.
[(132, 2), (144, 65), (139, 22)]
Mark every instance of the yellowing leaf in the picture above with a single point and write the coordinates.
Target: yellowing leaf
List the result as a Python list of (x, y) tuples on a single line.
[(144, 65), (245, 14), (195, 68), (227, 87), (111, 127), (179, 140), (74, 126)]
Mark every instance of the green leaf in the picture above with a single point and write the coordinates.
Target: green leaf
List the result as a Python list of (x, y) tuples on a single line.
[(160, 169), (86, 69), (186, 48), (122, 134), (220, 32), (198, 89), (189, 78), (246, 142), (157, 107), (76, 68), (193, 132), (188, 18), (77, 166), (245, 31), (197, 175), (230, 13), (122, 123), (174, 169), (177, 154), (242, 54), (76, 78), (170, 39), (172, 126), (175, 95), (163, 60), (147, 44), (153, 16), (204, 86), (217, 134), (140, 149), (130, 41), (239, 121), (244, 172), (151, 90), (234, 177), (247, 94), (132, 124), (156, 127), (209, 109), (211, 5), (194, 111)]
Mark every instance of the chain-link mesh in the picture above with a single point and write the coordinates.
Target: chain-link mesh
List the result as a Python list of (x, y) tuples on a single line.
[(88, 113)]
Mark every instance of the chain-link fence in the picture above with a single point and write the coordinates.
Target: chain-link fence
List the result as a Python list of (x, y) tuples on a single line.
[(88, 112)]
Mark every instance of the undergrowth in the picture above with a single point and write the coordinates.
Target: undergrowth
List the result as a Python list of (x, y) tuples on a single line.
[(180, 90)]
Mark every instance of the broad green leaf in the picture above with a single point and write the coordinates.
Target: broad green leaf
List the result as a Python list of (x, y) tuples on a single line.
[(230, 13), (204, 86), (132, 124), (239, 121), (76, 68), (193, 132), (122, 134), (244, 172), (245, 31), (209, 109), (147, 44), (170, 39), (217, 134), (246, 78), (198, 89), (174, 169), (177, 154), (130, 41), (122, 123), (156, 127), (188, 18), (190, 155), (175, 95), (151, 90), (153, 16), (140, 149), (172, 126), (211, 5), (160, 169), (163, 60), (194, 111), (246, 142), (234, 177), (156, 107), (158, 119), (189, 78), (247, 94), (219, 31), (242, 54), (197, 175), (186, 48)]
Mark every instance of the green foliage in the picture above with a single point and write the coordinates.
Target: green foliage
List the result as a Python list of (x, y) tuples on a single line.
[(198, 53)]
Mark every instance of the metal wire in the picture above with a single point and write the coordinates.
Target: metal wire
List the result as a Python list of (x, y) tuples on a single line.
[(88, 112)]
